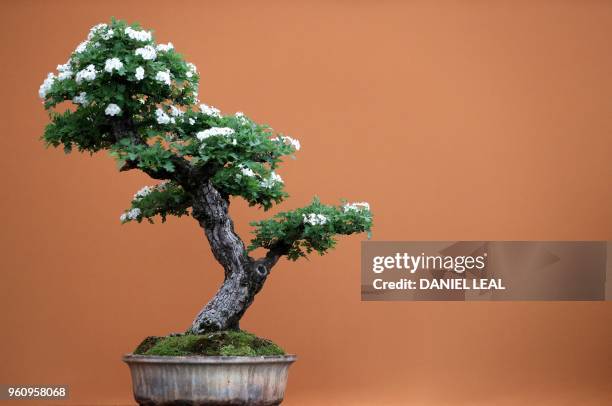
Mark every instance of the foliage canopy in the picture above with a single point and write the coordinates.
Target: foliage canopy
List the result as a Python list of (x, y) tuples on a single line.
[(121, 91)]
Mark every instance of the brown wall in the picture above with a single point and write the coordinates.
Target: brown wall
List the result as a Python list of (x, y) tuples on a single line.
[(464, 120)]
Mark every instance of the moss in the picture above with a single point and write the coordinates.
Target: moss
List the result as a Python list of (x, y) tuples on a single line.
[(146, 344), (225, 343)]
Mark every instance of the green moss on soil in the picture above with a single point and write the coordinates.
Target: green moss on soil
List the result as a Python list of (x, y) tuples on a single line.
[(225, 343)]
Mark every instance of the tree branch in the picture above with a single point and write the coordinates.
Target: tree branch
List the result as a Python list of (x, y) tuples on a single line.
[(273, 255), (125, 128)]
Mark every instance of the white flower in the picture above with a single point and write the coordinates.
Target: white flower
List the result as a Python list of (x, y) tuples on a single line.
[(162, 117), (276, 177), (147, 53), (356, 206), (165, 47), (214, 131), (164, 77), (143, 192), (80, 99), (100, 27), (46, 86), (246, 171), (112, 110), (314, 219), (291, 141), (64, 75), (191, 70), (146, 190), (241, 117), (65, 71), (132, 214), (138, 35), (95, 29), (272, 180), (81, 47), (87, 74), (113, 64), (65, 67), (176, 112), (108, 35), (139, 75), (210, 110), (191, 121)]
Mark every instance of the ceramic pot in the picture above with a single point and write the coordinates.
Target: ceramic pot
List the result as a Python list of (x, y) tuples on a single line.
[(202, 380)]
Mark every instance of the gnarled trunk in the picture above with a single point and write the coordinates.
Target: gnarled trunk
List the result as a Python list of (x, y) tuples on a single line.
[(230, 302), (244, 277)]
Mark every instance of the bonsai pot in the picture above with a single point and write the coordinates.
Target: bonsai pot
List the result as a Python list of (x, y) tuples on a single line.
[(205, 380)]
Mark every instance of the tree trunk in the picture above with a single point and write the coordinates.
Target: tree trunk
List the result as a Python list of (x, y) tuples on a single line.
[(230, 302), (244, 277)]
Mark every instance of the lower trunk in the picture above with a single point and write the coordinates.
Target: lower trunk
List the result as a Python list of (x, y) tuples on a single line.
[(244, 276), (232, 299)]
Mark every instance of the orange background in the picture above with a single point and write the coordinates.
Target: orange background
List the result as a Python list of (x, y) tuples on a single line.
[(463, 120)]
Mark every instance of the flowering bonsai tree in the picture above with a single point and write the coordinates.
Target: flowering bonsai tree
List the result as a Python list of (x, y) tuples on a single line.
[(120, 91)]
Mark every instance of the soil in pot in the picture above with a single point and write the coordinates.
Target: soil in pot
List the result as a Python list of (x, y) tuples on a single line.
[(220, 343)]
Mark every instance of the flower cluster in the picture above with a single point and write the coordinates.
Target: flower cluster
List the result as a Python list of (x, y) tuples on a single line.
[(314, 219), (146, 190), (98, 28), (65, 71), (210, 110), (112, 110), (81, 47), (165, 47), (246, 171), (138, 35), (112, 64), (46, 85), (162, 117), (215, 131), (131, 214), (88, 74), (81, 98), (191, 70), (108, 34), (241, 117), (356, 206), (140, 73), (147, 53), (164, 77), (176, 112), (270, 182)]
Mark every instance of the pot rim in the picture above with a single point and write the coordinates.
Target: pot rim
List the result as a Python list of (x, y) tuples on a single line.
[(205, 359)]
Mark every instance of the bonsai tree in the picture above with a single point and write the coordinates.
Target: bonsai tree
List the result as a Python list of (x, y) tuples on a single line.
[(120, 91)]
